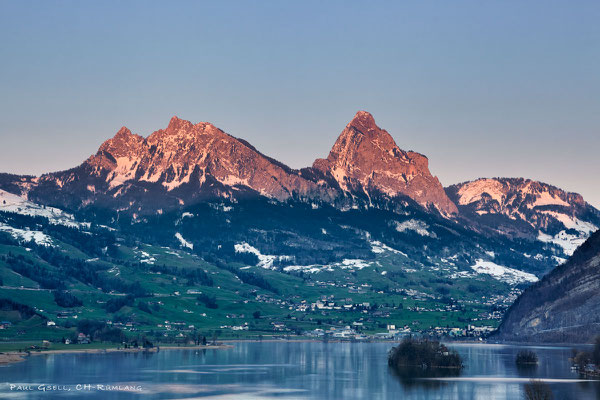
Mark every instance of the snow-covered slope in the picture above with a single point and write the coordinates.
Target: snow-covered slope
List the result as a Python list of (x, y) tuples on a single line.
[(13, 203), (526, 208), (26, 235), (502, 273)]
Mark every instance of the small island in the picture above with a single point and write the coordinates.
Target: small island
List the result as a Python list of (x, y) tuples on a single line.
[(428, 355), (526, 358)]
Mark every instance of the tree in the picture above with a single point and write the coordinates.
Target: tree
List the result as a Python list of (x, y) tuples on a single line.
[(526, 357), (581, 359), (538, 390), (143, 306), (423, 353), (115, 304), (256, 314), (209, 301), (66, 299)]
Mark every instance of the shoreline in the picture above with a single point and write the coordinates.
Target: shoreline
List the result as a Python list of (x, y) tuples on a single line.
[(12, 357)]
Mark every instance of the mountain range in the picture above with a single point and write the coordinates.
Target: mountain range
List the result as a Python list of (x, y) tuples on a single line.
[(188, 164), (368, 222)]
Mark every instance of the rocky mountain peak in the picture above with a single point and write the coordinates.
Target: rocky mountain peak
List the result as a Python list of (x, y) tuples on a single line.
[(364, 122), (122, 144), (196, 160), (366, 159), (177, 124), (543, 212), (123, 132)]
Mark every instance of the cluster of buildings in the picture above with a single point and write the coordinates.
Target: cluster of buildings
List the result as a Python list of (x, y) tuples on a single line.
[(352, 333), (397, 333), (470, 331)]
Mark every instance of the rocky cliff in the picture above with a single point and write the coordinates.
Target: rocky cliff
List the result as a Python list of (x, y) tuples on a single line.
[(365, 159), (562, 307)]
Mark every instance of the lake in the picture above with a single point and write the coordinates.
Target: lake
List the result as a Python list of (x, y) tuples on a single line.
[(285, 370)]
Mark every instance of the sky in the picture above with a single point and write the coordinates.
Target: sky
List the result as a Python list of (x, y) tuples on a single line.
[(483, 88)]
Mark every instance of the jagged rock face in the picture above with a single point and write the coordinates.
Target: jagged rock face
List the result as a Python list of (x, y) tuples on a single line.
[(564, 306), (366, 160), (185, 153), (527, 208), (186, 163)]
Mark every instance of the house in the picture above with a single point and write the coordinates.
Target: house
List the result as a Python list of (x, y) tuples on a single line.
[(278, 326), (50, 323), (317, 333), (590, 368), (345, 333), (5, 324), (82, 338), (240, 328)]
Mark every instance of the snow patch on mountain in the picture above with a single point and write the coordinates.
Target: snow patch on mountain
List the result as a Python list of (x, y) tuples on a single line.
[(311, 269), (377, 247), (547, 199), (414, 225), (351, 264), (473, 191), (567, 241), (124, 171), (264, 260), (10, 202), (569, 222), (26, 236), (145, 257), (505, 274), (184, 242)]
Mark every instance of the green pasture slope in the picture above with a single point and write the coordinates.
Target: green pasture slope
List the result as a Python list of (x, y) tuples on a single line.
[(399, 292)]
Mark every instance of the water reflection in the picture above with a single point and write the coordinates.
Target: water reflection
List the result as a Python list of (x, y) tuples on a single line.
[(429, 378), (296, 370), (526, 369)]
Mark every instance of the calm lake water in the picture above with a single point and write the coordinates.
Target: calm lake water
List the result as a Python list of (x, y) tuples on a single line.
[(287, 370)]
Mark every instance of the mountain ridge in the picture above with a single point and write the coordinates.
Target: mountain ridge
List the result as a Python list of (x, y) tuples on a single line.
[(214, 164), (526, 208), (366, 157), (370, 213), (186, 163)]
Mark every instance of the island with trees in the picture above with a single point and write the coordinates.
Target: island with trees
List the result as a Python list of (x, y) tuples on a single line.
[(425, 354)]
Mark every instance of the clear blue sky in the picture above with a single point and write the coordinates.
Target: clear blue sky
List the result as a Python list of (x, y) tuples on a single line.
[(483, 88)]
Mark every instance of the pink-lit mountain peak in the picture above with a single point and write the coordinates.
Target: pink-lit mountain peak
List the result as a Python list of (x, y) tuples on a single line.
[(364, 163)]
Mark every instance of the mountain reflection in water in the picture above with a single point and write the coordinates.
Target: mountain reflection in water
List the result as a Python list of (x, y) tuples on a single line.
[(295, 370)]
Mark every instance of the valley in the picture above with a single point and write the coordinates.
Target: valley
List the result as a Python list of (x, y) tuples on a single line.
[(193, 233)]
